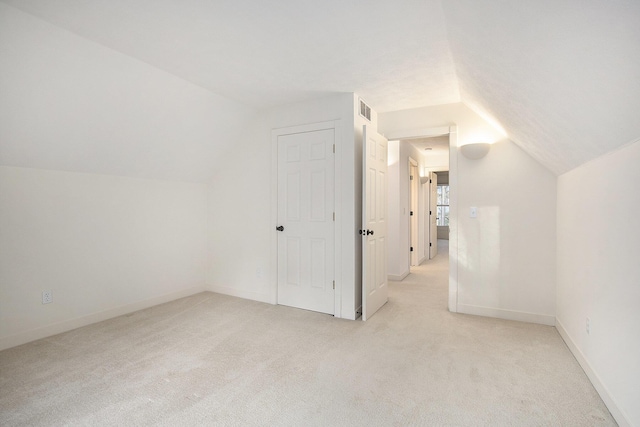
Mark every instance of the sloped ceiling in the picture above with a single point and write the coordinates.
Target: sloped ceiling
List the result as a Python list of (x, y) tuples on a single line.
[(562, 77), (262, 53)]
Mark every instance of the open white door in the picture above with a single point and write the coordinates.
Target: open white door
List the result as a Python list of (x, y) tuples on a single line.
[(374, 222), (433, 207)]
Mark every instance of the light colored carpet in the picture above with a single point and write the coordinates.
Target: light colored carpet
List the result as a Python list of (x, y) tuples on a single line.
[(216, 360)]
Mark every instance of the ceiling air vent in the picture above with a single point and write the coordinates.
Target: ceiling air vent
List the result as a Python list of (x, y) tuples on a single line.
[(365, 110)]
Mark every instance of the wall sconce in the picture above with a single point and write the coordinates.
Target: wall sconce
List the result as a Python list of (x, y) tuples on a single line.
[(476, 150)]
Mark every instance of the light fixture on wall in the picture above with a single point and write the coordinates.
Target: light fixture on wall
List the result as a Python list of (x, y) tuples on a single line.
[(476, 150)]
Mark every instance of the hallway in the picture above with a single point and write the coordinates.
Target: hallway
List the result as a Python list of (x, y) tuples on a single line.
[(519, 373)]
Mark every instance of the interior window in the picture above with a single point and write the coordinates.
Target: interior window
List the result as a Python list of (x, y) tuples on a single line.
[(443, 205)]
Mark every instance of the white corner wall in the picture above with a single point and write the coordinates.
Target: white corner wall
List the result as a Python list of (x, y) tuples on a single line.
[(104, 246), (67, 103), (599, 275), (241, 230), (506, 257)]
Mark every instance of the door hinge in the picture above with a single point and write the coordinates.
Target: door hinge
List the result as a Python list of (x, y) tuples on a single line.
[(410, 213), (411, 249), (334, 284), (429, 244), (334, 216), (410, 177), (430, 213), (334, 148), (430, 181)]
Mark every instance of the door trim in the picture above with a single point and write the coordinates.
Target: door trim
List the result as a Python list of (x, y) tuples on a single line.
[(452, 131), (414, 202), (336, 125)]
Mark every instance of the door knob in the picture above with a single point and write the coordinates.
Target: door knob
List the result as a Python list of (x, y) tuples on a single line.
[(369, 232), (280, 228)]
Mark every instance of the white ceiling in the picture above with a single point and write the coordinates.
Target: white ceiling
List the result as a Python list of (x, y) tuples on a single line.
[(562, 77), (393, 54), (437, 145)]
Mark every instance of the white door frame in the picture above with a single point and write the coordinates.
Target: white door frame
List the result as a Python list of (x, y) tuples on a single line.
[(336, 125), (452, 131), (414, 195), (433, 207)]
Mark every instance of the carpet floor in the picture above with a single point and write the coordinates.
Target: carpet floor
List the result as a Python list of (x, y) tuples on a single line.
[(212, 359)]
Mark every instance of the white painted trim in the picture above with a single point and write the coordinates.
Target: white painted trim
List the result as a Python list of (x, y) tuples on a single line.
[(520, 316), (336, 125), (339, 221), (234, 292), (453, 219), (418, 133), (397, 278), (78, 322), (620, 416), (413, 233), (439, 168)]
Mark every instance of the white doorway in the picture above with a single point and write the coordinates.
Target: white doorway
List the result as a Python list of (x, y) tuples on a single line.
[(306, 220), (440, 144)]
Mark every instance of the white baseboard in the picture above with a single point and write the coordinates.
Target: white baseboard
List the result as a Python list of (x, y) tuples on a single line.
[(78, 322), (520, 316), (617, 413), (396, 278), (233, 292)]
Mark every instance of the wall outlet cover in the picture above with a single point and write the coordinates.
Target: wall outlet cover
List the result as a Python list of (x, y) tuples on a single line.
[(47, 297)]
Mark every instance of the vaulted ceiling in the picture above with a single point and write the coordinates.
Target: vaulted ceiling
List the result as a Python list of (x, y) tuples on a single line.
[(561, 77)]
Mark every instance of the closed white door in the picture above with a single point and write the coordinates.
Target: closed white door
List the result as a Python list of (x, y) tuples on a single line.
[(433, 229), (306, 221), (374, 223)]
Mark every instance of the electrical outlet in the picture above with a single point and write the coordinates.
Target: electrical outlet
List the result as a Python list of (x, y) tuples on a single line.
[(588, 326), (47, 297)]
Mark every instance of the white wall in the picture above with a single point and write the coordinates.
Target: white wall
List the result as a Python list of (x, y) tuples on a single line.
[(599, 275), (241, 227), (506, 257), (397, 267), (67, 103), (104, 246)]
